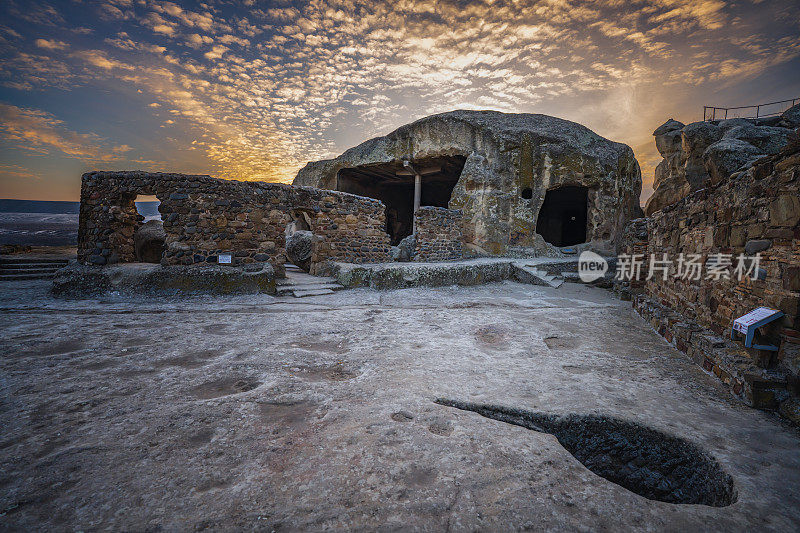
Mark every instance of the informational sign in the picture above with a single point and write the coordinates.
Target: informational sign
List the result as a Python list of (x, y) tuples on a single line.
[(743, 323), (747, 325), (225, 259)]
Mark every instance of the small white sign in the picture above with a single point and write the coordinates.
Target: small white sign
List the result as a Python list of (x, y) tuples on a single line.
[(225, 259)]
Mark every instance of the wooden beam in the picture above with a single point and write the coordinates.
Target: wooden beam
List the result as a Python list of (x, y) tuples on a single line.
[(422, 172)]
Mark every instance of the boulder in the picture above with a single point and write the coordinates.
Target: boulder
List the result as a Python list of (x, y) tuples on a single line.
[(695, 139), (149, 240), (791, 117), (669, 187), (727, 124), (694, 164), (405, 249), (668, 138), (767, 139), (767, 121), (669, 126), (669, 181), (726, 156), (298, 249)]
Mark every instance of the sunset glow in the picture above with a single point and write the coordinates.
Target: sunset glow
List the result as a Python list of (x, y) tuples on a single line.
[(253, 90)]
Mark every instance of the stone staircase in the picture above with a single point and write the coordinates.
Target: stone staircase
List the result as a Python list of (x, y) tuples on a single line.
[(536, 276), (300, 284), (25, 268)]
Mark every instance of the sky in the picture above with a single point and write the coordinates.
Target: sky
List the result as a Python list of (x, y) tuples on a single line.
[(253, 90)]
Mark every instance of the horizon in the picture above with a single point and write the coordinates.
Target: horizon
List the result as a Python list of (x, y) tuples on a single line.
[(253, 91)]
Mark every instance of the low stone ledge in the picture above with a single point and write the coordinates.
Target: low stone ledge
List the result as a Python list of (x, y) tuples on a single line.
[(725, 359), (135, 279), (385, 276)]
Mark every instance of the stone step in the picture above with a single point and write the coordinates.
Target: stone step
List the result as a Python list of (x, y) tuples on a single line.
[(530, 274), (284, 290), (306, 280), (31, 266), (32, 261), (9, 271), (21, 277), (310, 292)]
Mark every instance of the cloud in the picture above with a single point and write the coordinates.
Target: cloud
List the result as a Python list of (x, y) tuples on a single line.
[(259, 91), (100, 59), (38, 132), (17, 172), (51, 45)]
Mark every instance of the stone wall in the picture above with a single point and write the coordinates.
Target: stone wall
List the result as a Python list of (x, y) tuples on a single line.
[(633, 242), (204, 217), (439, 235), (754, 211)]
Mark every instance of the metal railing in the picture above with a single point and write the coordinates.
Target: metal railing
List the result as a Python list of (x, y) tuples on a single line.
[(748, 111)]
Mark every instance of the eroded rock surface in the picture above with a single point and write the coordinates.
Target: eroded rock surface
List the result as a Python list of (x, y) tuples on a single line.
[(509, 162), (250, 413), (703, 153)]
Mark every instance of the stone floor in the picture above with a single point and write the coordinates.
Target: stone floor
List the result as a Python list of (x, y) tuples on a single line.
[(263, 413)]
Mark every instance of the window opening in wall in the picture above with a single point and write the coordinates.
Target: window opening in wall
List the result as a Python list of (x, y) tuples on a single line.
[(149, 237)]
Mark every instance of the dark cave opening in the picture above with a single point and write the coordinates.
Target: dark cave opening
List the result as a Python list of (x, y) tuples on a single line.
[(393, 184), (563, 218)]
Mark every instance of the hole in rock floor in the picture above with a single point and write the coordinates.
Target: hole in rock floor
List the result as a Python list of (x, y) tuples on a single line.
[(645, 461)]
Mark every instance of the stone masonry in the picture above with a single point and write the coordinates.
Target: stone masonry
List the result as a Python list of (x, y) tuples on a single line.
[(754, 211), (204, 217), (439, 236)]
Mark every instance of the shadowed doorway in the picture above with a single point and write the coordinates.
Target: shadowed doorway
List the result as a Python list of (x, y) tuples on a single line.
[(563, 217), (391, 184)]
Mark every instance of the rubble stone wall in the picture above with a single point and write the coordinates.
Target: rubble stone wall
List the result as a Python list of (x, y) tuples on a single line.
[(204, 217), (755, 211), (439, 235), (633, 242)]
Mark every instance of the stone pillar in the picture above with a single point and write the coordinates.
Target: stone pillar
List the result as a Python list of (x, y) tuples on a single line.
[(417, 196)]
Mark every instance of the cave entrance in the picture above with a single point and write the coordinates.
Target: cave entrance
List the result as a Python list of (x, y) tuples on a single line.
[(563, 217), (393, 184)]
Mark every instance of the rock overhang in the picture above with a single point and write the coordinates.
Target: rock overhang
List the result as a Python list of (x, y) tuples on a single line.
[(505, 155)]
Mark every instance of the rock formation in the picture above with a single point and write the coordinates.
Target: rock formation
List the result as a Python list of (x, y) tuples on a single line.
[(703, 153), (498, 169), (298, 248), (404, 251), (149, 241)]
